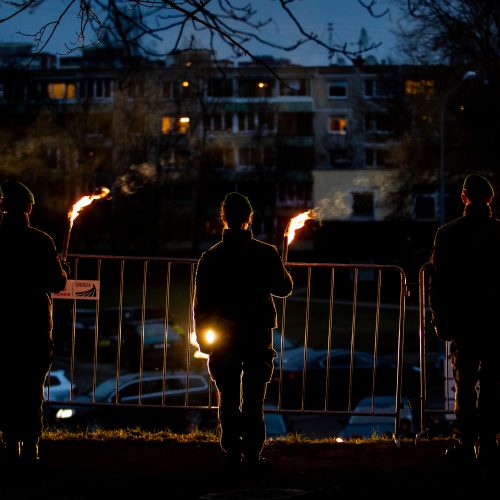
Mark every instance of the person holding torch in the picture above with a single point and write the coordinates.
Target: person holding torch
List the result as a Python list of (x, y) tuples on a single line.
[(30, 270), (234, 315)]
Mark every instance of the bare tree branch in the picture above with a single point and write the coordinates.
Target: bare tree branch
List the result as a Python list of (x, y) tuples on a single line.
[(137, 24)]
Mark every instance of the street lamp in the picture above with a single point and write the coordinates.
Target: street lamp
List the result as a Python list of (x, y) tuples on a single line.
[(469, 75)]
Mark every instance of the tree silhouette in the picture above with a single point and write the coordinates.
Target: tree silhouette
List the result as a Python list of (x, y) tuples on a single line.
[(154, 28)]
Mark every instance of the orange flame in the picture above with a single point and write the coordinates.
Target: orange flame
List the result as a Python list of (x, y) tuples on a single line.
[(296, 223), (83, 202)]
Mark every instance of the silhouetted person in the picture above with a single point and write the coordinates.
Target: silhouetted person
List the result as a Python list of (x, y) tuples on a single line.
[(465, 303), (29, 270), (236, 280)]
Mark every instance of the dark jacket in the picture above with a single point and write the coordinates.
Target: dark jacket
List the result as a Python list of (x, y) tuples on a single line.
[(235, 282), (465, 276), (29, 271)]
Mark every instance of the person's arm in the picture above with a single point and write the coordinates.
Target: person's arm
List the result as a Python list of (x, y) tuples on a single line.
[(281, 279), (437, 289), (56, 276)]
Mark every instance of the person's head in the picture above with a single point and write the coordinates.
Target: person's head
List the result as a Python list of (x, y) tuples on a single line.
[(236, 211), (477, 189), (16, 197)]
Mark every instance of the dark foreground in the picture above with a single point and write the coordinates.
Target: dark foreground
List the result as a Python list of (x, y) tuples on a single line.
[(122, 468)]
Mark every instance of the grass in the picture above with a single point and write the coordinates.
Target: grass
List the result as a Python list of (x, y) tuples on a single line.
[(198, 436)]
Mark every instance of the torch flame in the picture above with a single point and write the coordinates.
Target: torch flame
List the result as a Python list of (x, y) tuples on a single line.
[(83, 202), (296, 223)]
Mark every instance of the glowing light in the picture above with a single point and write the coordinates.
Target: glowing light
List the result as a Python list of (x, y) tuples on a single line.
[(210, 336), (184, 120), (83, 202), (197, 354), (185, 83), (297, 223)]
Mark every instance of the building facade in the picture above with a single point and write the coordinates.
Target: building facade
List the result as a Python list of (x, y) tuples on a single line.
[(172, 137)]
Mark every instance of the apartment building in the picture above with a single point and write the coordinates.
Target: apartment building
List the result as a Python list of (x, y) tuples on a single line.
[(172, 137)]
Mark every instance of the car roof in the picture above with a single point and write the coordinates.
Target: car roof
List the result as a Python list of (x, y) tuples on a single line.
[(148, 375)]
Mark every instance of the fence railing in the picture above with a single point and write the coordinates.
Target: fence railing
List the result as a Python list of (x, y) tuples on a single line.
[(442, 406), (341, 340)]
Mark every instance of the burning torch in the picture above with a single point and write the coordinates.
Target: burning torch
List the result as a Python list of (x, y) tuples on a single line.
[(83, 202), (295, 223)]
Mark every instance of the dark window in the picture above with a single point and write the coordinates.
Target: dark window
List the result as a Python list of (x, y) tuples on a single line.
[(296, 158), (295, 123), (220, 87), (378, 88), (375, 158), (340, 157), (425, 207), (338, 90), (362, 204)]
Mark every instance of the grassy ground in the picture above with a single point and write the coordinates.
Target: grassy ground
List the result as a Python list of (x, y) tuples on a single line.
[(133, 464)]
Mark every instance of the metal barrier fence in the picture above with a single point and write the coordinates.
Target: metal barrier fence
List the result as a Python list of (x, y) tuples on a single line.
[(442, 406), (340, 343)]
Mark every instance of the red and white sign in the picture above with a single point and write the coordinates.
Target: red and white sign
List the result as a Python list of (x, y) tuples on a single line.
[(79, 289)]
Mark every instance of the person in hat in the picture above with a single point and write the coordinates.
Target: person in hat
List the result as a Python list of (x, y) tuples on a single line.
[(464, 298), (30, 270), (235, 282)]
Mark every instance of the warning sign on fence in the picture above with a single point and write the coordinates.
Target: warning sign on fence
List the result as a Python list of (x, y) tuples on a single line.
[(79, 289)]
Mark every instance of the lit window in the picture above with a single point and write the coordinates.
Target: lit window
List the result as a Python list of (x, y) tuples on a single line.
[(337, 90), (416, 87), (183, 124), (61, 91), (337, 125), (167, 124)]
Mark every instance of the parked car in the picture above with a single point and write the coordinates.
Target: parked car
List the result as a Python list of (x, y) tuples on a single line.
[(58, 386), (150, 338), (366, 426), (277, 424), (84, 322), (350, 379), (141, 402), (290, 346)]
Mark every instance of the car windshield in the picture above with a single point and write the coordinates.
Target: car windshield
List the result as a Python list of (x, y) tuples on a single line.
[(155, 331), (103, 390)]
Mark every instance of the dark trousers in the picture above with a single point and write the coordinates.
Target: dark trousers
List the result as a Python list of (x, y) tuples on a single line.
[(21, 416), (477, 391), (241, 379)]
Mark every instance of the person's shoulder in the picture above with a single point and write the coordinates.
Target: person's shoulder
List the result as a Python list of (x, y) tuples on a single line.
[(214, 249), (39, 234), (263, 245), (451, 226)]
